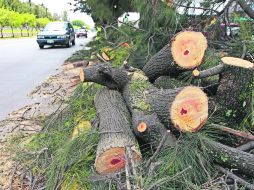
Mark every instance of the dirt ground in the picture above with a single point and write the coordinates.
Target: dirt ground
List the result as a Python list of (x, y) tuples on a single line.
[(49, 98)]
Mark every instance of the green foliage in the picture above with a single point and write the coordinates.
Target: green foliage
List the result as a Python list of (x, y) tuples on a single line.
[(187, 153), (14, 19), (42, 22), (24, 7), (119, 55), (104, 11), (54, 153), (78, 23)]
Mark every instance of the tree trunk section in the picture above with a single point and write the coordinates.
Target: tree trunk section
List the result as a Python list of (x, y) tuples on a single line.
[(231, 157), (145, 123), (234, 92), (115, 129), (2, 36), (246, 8), (185, 108), (104, 74), (161, 64), (12, 32)]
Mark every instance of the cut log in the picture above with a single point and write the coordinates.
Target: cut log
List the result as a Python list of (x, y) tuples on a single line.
[(188, 49), (234, 92), (186, 108), (237, 62), (227, 63), (115, 123), (145, 123), (155, 100), (161, 64), (231, 157), (104, 74)]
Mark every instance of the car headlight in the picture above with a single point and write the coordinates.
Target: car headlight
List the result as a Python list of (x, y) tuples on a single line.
[(62, 36), (40, 37)]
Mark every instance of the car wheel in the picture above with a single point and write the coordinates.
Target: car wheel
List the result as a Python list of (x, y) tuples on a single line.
[(69, 43), (73, 42), (41, 46)]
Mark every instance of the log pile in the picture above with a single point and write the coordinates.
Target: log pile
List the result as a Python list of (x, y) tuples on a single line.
[(134, 110)]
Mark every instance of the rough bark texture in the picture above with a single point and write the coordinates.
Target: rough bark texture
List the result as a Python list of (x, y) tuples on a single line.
[(211, 72), (247, 9), (234, 92), (140, 108), (106, 75), (161, 64), (167, 82), (115, 123), (231, 157), (161, 102)]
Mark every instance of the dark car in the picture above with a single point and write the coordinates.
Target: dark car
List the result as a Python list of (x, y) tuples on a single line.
[(81, 32), (57, 33)]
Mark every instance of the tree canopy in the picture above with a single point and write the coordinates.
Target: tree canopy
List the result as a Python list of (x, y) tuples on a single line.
[(40, 11), (104, 11)]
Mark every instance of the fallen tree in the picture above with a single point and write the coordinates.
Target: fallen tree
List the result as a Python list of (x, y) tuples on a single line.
[(115, 132), (185, 52)]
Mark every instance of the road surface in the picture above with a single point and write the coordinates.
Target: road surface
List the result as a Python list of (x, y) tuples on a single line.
[(23, 66)]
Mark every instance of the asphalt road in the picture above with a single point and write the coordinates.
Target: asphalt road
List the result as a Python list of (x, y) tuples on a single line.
[(23, 66)]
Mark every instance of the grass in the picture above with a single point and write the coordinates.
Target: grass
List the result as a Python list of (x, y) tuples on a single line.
[(188, 156), (7, 33), (64, 161)]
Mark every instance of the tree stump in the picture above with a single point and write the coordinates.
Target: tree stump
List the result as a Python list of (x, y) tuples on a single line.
[(115, 132)]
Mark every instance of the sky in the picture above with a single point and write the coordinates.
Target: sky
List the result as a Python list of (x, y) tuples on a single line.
[(59, 6)]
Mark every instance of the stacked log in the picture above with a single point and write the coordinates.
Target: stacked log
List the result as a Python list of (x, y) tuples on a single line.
[(143, 111)]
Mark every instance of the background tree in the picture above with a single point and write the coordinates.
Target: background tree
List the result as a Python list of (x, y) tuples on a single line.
[(78, 23), (29, 22), (104, 11), (65, 16), (41, 23), (14, 21), (4, 19)]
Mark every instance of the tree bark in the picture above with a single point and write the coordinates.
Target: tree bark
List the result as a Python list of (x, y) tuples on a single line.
[(12, 32), (115, 132), (231, 157), (161, 64), (2, 36), (145, 123), (234, 91), (184, 108), (104, 74), (167, 82), (246, 8)]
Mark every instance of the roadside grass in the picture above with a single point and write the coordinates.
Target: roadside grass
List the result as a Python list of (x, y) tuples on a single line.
[(7, 33), (63, 157)]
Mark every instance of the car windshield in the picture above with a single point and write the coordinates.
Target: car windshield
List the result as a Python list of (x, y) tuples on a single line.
[(55, 27)]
